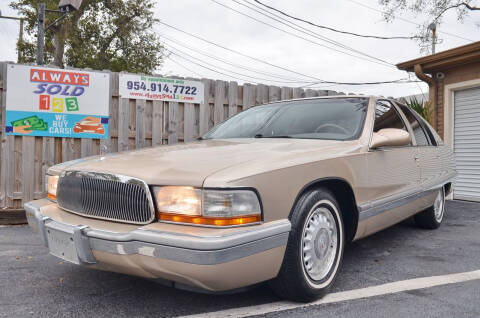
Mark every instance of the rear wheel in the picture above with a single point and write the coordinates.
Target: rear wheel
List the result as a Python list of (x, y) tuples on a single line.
[(314, 250), (432, 217)]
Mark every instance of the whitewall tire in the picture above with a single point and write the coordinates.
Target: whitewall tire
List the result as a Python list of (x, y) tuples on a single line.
[(314, 250)]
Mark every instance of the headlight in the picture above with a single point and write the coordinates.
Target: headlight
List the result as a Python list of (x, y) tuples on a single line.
[(178, 200), (207, 207), (51, 185)]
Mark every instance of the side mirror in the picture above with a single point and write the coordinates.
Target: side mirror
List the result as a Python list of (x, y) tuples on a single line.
[(390, 137)]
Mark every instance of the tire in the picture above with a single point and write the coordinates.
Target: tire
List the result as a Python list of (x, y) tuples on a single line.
[(316, 223), (432, 217)]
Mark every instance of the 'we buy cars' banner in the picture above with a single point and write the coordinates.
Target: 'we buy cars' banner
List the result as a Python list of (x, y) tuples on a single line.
[(56, 103)]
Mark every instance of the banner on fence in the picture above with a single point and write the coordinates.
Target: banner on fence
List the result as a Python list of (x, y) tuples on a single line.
[(158, 88), (56, 103)]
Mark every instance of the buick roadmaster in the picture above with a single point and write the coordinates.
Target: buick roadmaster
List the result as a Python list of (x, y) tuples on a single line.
[(272, 194)]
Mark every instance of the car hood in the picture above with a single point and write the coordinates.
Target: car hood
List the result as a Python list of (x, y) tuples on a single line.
[(190, 164)]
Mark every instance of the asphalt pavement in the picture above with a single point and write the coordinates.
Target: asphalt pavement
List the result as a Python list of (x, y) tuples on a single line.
[(35, 284)]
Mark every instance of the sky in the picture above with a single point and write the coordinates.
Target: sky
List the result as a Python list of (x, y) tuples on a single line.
[(283, 53)]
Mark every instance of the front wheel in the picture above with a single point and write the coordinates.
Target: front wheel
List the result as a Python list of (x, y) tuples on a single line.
[(432, 217), (314, 250)]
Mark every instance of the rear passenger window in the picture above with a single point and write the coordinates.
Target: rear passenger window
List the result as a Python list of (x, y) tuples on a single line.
[(431, 133), (386, 116), (418, 131)]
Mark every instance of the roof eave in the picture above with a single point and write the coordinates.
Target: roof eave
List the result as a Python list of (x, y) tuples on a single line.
[(456, 56)]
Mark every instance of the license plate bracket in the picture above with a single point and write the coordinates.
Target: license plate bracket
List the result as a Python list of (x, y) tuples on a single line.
[(61, 241)]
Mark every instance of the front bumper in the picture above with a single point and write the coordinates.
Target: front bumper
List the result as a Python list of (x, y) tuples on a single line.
[(244, 257)]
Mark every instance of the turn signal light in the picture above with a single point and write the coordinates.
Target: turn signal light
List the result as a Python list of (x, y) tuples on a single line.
[(51, 184), (238, 220)]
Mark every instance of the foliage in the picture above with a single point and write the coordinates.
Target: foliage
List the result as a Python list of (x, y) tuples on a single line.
[(424, 109), (434, 11), (103, 34)]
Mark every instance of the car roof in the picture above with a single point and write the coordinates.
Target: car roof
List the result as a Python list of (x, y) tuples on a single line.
[(323, 97)]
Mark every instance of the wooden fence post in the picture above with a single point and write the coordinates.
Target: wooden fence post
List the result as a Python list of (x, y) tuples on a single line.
[(140, 106), (218, 112), (172, 122), (232, 98), (205, 108), (123, 130)]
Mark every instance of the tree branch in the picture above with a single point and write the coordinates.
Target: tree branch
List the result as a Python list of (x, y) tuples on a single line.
[(469, 7), (460, 4)]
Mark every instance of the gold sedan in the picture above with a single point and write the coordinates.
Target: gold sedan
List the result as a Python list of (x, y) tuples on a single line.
[(271, 194)]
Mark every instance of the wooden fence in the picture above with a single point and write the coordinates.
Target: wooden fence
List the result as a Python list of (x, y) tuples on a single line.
[(133, 124)]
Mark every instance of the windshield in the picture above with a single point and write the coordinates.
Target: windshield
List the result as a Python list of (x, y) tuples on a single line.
[(336, 119)]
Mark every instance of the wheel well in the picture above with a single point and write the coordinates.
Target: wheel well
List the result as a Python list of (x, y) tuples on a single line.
[(343, 192), (448, 188)]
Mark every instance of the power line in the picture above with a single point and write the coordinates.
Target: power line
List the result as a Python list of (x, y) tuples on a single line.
[(231, 63), (408, 21), (336, 30), (398, 81), (208, 68), (177, 51), (264, 62), (237, 52), (228, 70), (182, 66), (401, 80), (382, 62), (304, 30)]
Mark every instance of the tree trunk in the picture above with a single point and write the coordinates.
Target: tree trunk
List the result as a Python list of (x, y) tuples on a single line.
[(59, 44)]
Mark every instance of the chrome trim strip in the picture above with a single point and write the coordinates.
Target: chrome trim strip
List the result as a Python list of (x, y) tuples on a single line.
[(191, 256), (386, 200), (196, 242), (121, 179), (204, 250), (380, 207)]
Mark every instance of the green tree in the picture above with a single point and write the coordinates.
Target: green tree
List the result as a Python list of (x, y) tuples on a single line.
[(103, 34), (433, 10), (424, 109)]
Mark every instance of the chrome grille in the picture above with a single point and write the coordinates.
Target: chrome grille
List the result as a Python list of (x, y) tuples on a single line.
[(105, 196)]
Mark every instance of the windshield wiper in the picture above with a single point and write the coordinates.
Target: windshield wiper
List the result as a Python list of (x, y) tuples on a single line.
[(278, 136)]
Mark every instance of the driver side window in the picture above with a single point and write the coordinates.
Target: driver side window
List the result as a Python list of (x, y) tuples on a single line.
[(386, 116)]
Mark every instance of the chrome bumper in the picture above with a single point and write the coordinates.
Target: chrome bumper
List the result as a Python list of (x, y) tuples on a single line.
[(78, 241)]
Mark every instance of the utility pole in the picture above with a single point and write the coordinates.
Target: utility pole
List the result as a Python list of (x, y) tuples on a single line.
[(20, 34), (433, 28), (66, 7), (20, 41), (41, 32)]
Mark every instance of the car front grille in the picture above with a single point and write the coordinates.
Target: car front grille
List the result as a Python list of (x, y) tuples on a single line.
[(105, 196)]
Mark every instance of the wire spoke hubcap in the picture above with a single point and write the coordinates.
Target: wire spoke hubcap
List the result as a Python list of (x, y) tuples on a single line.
[(319, 243), (438, 207)]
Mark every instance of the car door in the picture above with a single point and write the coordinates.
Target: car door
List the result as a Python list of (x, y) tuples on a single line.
[(394, 172), (431, 168)]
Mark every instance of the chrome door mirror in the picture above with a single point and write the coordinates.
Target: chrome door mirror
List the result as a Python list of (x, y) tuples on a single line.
[(390, 137)]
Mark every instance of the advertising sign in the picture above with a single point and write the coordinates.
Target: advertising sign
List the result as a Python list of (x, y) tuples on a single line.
[(56, 103), (158, 88)]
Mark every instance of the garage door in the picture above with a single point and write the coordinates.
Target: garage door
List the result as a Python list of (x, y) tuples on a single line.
[(467, 144)]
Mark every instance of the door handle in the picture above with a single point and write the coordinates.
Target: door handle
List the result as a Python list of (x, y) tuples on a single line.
[(416, 158)]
